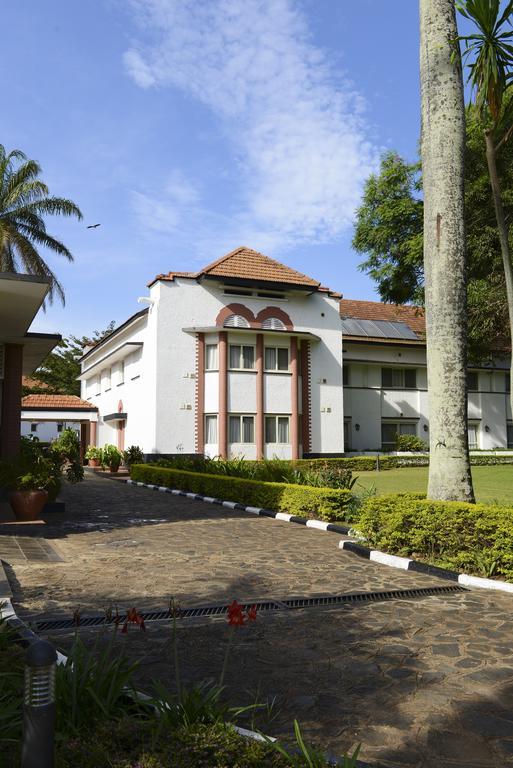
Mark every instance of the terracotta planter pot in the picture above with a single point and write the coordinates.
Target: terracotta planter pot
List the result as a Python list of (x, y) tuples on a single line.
[(114, 469), (28, 505), (94, 462)]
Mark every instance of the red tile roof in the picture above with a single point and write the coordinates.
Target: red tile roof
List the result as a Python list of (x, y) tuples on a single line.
[(28, 381), (394, 313), (247, 264), (58, 402)]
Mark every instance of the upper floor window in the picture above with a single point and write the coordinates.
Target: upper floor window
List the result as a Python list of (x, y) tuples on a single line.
[(507, 383), (242, 356), (106, 377), (211, 357), (273, 324), (399, 378), (345, 375), (236, 321), (276, 358), (121, 372), (472, 381)]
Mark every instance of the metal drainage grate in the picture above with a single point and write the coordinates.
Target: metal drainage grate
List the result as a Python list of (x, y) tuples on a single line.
[(45, 625)]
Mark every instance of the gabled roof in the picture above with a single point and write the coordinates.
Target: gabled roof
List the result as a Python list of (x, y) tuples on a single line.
[(56, 402), (412, 316), (246, 264)]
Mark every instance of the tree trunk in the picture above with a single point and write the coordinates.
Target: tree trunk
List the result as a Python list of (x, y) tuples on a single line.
[(491, 159), (443, 140)]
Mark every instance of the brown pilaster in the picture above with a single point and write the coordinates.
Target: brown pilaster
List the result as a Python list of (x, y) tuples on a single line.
[(259, 424), (10, 426), (223, 395), (93, 433), (305, 394), (294, 410), (200, 395)]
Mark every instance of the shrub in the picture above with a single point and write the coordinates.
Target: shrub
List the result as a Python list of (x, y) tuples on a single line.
[(93, 452), (410, 443), (476, 538), (133, 455), (111, 457), (322, 503)]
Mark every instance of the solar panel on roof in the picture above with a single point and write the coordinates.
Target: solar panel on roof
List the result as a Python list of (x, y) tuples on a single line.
[(377, 329)]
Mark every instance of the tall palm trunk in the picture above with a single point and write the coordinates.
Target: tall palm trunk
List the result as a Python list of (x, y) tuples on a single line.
[(491, 158), (443, 139)]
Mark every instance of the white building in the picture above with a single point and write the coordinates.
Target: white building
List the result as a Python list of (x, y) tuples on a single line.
[(245, 357)]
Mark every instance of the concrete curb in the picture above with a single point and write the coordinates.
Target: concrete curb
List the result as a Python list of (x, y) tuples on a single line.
[(406, 564), (342, 530), (392, 561)]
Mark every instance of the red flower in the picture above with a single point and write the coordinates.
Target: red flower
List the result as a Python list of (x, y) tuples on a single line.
[(133, 617), (236, 617), (252, 613)]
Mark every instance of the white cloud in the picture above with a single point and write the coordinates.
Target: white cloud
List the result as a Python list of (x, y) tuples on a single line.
[(297, 127)]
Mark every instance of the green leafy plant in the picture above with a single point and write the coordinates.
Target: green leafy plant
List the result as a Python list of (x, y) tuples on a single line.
[(111, 457), (93, 452), (133, 455), (66, 451), (310, 756), (11, 685), (410, 443)]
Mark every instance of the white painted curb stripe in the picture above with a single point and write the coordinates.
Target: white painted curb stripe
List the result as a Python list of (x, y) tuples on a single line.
[(393, 560), (208, 499), (342, 543), (254, 510), (476, 581), (162, 488), (282, 516), (320, 524), (230, 504)]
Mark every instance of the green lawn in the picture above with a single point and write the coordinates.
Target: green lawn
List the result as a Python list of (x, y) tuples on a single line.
[(491, 484)]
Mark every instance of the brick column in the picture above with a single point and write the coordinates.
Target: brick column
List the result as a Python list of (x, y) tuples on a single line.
[(294, 410), (200, 395), (305, 394), (10, 425), (259, 424), (222, 417)]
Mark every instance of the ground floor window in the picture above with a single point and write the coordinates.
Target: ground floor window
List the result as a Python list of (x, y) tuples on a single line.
[(210, 429), (509, 428), (390, 430), (241, 429), (472, 436), (60, 427), (33, 427), (347, 434), (277, 429)]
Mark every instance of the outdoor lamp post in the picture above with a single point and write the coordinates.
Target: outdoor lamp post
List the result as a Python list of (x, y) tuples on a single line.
[(39, 706)]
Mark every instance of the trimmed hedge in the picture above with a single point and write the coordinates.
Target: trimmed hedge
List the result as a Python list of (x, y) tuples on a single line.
[(475, 538), (303, 500)]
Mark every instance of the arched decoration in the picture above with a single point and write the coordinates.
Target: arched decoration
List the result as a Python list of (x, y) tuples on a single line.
[(235, 321), (239, 310), (120, 406), (273, 324), (275, 313)]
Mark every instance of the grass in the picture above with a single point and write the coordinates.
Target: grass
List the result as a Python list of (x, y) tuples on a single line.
[(491, 484)]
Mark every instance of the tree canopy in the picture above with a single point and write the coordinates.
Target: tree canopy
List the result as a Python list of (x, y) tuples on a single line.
[(59, 371), (389, 232)]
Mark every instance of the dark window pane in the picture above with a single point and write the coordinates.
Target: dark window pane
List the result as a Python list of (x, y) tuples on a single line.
[(410, 378)]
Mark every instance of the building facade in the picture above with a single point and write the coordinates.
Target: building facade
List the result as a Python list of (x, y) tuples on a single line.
[(248, 357)]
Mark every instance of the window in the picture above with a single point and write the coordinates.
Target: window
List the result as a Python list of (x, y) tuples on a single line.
[(345, 375), (33, 427), (242, 356), (60, 427), (121, 373), (509, 431), (399, 378), (106, 376), (507, 383), (241, 429), (472, 381), (273, 324), (211, 357), (236, 321), (472, 437), (390, 430), (276, 429), (276, 358), (210, 429), (347, 434)]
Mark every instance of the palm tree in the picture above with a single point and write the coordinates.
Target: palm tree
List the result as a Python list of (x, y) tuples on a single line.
[(489, 56), (24, 201), (442, 152)]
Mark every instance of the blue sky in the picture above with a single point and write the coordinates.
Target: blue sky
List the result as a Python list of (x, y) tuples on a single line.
[(189, 127)]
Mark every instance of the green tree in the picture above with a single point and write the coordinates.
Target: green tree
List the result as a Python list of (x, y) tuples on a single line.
[(24, 202), (442, 154), (61, 368), (488, 54)]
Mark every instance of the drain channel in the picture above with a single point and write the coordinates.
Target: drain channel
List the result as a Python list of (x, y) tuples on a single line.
[(45, 625)]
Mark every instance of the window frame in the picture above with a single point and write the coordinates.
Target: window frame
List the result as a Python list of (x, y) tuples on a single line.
[(216, 366), (241, 417), (276, 348), (241, 357), (33, 427), (476, 374), (398, 424), (399, 370), (215, 417), (475, 426), (276, 417)]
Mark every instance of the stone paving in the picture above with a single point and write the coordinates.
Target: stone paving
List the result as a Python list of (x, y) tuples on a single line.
[(420, 683)]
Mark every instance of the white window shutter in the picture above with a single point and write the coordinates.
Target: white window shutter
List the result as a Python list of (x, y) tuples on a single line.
[(273, 324)]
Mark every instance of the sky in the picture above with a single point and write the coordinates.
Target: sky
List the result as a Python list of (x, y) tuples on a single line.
[(186, 128)]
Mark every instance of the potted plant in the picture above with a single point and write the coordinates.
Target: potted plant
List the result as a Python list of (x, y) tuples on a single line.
[(27, 481), (94, 456), (133, 455), (111, 457)]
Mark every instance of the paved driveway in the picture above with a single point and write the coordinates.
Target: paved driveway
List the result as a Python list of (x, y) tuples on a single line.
[(419, 682)]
